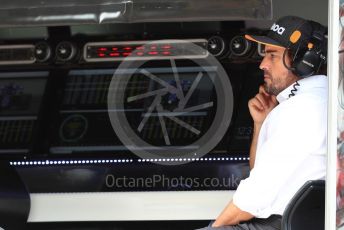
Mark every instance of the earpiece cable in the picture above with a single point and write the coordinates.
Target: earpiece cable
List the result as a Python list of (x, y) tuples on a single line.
[(294, 89)]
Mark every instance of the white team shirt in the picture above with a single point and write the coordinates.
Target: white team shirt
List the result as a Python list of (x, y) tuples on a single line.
[(291, 149)]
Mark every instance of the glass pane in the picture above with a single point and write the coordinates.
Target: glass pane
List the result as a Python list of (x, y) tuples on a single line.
[(65, 12)]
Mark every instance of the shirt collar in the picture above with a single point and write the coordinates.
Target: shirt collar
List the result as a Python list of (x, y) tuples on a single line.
[(302, 86)]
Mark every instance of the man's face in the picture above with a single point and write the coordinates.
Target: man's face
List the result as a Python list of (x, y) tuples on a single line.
[(276, 76)]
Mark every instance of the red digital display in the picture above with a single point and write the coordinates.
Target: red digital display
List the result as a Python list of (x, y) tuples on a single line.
[(134, 50), (153, 53), (108, 51)]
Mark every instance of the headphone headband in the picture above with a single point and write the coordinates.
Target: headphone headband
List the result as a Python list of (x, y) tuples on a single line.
[(310, 54)]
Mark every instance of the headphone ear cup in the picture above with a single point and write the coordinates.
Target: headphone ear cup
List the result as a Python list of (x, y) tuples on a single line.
[(307, 64)]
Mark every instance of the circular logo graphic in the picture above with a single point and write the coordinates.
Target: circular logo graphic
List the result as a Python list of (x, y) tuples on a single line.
[(173, 112), (73, 128)]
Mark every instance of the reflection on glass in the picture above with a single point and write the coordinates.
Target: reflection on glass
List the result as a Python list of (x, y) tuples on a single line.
[(340, 126), (83, 120)]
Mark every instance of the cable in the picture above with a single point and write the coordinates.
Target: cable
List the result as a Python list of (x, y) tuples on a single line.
[(294, 89)]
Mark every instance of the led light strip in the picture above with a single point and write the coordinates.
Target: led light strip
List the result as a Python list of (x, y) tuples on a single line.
[(196, 159), (69, 162), (81, 162)]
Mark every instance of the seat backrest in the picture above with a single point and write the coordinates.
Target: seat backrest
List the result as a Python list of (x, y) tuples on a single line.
[(306, 211)]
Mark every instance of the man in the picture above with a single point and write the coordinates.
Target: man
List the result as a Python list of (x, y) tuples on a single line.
[(289, 113)]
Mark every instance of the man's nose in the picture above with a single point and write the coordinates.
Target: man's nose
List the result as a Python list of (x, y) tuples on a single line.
[(263, 65)]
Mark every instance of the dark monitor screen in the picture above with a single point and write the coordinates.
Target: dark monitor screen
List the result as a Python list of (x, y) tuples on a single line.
[(84, 124), (21, 96), (80, 122), (21, 92)]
